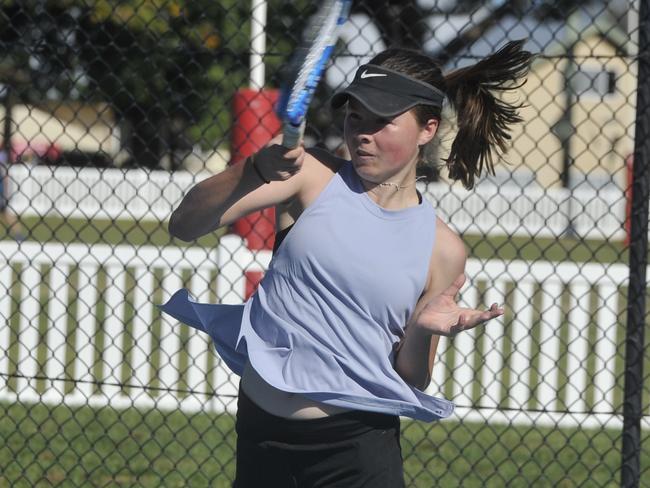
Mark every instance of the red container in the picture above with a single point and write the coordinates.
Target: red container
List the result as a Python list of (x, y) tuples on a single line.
[(254, 124)]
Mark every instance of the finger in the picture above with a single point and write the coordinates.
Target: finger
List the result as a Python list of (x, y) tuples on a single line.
[(463, 322), (294, 153), (299, 160), (285, 175), (292, 166), (492, 314), (286, 166), (495, 310), (461, 325), (472, 318)]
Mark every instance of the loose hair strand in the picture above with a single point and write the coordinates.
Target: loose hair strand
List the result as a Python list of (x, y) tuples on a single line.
[(484, 120)]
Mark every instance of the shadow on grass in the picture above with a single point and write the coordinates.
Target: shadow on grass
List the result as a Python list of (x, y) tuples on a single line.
[(66, 447)]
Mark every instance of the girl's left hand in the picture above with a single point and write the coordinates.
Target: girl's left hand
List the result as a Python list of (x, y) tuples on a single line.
[(443, 316)]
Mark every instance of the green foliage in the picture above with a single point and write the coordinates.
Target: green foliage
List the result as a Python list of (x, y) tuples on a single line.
[(165, 66), (164, 56)]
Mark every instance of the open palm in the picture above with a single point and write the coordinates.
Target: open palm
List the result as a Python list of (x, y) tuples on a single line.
[(443, 316)]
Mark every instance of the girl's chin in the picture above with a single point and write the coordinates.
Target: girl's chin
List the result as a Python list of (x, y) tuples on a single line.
[(363, 162), (368, 176), (362, 168)]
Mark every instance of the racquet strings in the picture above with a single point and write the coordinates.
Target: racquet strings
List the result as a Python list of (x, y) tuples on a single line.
[(311, 59)]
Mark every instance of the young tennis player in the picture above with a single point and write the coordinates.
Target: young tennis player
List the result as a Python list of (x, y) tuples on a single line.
[(339, 340)]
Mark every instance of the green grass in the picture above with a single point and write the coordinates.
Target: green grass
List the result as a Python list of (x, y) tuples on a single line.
[(44, 446), (52, 229), (546, 249)]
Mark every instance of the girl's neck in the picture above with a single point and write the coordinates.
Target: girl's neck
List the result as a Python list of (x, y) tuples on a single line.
[(393, 194)]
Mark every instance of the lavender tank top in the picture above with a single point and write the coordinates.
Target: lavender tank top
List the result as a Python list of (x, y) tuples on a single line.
[(333, 304)]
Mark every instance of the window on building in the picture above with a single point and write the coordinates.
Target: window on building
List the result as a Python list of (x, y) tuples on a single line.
[(593, 82)]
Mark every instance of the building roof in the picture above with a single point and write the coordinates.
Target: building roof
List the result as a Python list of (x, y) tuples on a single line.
[(548, 37)]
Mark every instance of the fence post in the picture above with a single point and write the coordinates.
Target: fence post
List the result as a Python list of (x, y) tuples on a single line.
[(634, 342)]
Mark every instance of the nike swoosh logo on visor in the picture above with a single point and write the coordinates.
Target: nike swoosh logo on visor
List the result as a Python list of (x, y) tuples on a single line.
[(365, 74)]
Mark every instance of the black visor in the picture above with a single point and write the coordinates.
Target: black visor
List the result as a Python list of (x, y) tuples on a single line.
[(388, 93)]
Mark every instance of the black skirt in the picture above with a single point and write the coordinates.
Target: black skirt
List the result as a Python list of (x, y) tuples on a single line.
[(351, 449)]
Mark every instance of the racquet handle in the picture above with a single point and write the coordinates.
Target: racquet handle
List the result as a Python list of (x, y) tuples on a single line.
[(292, 134)]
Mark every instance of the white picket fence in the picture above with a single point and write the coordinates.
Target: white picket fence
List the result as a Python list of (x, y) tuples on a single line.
[(140, 265), (504, 210), (36, 283)]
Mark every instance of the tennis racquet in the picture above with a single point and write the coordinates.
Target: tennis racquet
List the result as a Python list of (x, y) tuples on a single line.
[(307, 66)]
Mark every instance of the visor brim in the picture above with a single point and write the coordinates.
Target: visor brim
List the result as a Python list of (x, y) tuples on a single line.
[(376, 101)]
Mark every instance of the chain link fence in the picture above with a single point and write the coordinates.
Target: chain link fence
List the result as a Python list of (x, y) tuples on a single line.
[(113, 109)]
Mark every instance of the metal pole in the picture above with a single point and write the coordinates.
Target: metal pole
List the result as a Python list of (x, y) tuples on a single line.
[(563, 129), (634, 341), (6, 143), (258, 44), (567, 133), (6, 128)]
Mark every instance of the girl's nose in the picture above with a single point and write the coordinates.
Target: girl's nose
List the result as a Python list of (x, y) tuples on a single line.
[(362, 138)]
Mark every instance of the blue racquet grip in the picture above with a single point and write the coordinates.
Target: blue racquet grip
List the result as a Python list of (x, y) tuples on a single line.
[(292, 134)]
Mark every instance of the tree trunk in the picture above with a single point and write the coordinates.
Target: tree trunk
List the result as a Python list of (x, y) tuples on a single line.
[(400, 22), (145, 139)]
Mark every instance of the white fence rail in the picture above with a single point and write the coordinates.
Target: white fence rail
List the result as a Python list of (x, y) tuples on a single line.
[(551, 361), (97, 193), (152, 195)]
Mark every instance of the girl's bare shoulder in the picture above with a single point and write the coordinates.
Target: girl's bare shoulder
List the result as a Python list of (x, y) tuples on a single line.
[(449, 247), (319, 167), (447, 259)]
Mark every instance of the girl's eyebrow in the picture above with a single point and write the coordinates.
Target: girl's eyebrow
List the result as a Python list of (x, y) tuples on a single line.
[(359, 108), (366, 114)]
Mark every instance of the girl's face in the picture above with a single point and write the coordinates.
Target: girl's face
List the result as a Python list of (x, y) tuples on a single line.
[(382, 148)]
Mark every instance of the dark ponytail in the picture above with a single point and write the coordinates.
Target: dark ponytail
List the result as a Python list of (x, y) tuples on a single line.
[(484, 120)]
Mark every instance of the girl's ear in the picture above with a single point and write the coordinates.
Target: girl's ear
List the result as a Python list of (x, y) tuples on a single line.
[(428, 131)]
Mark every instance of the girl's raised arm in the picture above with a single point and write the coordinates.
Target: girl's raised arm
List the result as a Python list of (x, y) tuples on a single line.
[(266, 179)]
